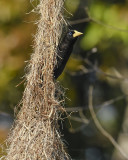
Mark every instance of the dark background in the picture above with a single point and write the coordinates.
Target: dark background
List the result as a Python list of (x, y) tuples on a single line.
[(99, 58)]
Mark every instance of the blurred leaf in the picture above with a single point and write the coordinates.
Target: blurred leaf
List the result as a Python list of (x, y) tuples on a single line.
[(72, 6)]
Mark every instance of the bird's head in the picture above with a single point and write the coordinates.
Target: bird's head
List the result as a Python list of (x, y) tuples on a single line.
[(73, 34)]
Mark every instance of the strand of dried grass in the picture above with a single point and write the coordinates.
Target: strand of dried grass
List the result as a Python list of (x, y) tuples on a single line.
[(35, 135)]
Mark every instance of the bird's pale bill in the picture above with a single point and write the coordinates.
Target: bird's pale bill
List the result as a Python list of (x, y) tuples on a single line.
[(76, 33)]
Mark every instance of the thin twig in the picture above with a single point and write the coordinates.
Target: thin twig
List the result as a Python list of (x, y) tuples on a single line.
[(98, 70), (95, 68), (101, 129), (84, 119), (79, 120), (107, 25), (91, 19), (79, 21), (82, 127), (104, 104)]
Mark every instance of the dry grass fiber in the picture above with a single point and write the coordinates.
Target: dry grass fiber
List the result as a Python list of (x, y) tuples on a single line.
[(35, 135)]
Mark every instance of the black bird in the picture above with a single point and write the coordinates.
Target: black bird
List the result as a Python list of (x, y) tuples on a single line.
[(64, 51)]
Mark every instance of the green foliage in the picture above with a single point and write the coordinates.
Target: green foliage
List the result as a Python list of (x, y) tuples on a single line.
[(111, 19), (10, 10), (15, 37)]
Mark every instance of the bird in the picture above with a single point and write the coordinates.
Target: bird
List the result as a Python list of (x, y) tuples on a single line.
[(64, 51)]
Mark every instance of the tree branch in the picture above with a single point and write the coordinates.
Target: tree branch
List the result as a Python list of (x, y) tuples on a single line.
[(101, 129)]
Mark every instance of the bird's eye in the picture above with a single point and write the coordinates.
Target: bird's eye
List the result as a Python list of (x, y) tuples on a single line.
[(70, 33)]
